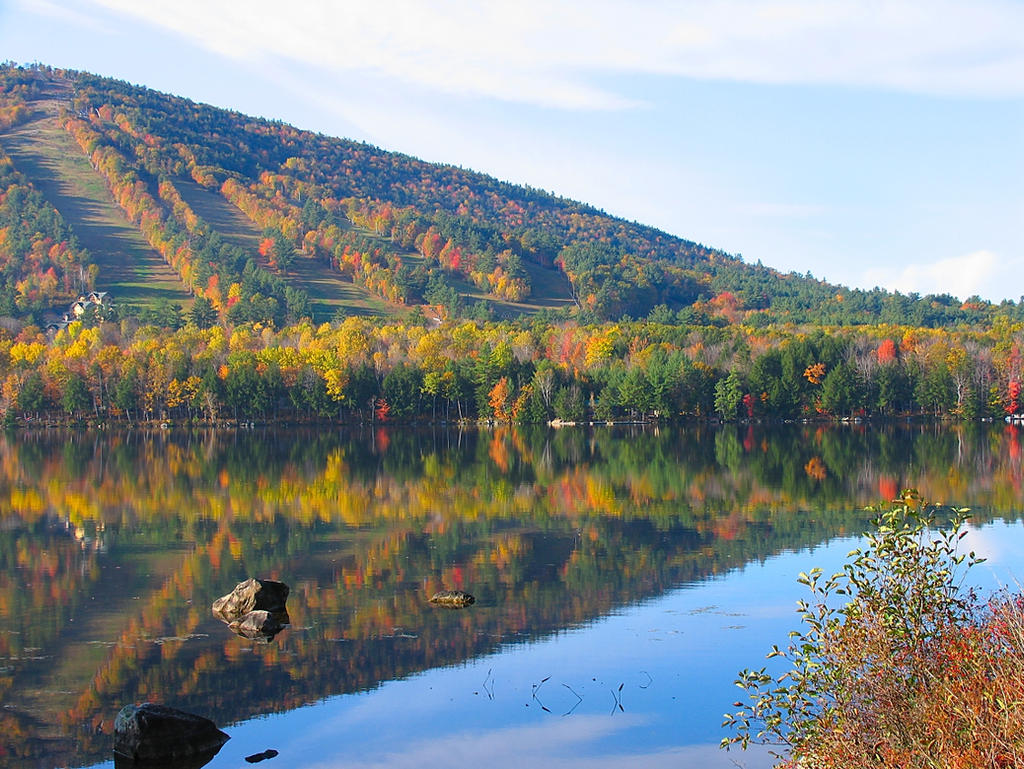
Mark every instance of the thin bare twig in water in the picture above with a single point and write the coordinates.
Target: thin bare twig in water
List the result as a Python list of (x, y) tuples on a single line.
[(579, 699), (617, 696), (489, 685), (649, 680), (536, 688)]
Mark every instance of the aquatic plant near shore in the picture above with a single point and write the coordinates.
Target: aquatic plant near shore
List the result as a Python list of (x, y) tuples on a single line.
[(896, 662)]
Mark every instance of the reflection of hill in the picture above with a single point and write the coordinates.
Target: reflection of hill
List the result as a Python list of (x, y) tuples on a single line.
[(114, 547)]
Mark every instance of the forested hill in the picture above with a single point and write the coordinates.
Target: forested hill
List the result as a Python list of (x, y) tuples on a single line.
[(263, 222)]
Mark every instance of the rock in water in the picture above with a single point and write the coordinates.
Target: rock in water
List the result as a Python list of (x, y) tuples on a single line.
[(255, 758), (452, 599), (260, 625), (251, 595), (158, 733)]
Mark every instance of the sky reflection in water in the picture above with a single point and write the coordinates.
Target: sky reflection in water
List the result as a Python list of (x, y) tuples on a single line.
[(675, 658)]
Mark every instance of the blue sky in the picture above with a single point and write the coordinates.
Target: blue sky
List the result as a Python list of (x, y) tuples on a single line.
[(869, 143)]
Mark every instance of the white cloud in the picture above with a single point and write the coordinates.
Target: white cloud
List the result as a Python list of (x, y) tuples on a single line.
[(556, 53), (981, 272), (985, 543), (1002, 550)]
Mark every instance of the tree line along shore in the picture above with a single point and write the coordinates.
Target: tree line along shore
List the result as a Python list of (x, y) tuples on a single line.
[(376, 370)]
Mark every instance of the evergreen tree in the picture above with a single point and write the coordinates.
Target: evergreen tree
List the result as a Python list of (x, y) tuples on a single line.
[(728, 396)]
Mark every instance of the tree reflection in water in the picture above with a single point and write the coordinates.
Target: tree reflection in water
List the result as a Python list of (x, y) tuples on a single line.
[(113, 547)]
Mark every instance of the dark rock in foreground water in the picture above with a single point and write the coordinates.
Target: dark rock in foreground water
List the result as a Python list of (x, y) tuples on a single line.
[(260, 625), (452, 599), (251, 595), (257, 757), (158, 734)]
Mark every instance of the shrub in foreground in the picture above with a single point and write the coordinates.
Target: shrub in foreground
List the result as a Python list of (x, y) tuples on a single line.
[(896, 662)]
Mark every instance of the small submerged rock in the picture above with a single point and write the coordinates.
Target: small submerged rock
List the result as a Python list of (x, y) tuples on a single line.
[(154, 734), (452, 599), (260, 625)]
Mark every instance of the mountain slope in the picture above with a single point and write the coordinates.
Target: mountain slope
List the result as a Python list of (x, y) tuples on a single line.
[(266, 222), (131, 269), (328, 293), (404, 230)]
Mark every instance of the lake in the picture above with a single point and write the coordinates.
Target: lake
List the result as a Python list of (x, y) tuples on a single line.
[(622, 577)]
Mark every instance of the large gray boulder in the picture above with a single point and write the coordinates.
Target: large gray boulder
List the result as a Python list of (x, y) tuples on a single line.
[(156, 733), (251, 595)]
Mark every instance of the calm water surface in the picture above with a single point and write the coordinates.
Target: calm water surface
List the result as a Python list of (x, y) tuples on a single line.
[(622, 578)]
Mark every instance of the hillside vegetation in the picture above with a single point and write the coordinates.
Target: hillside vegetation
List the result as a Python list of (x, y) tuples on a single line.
[(261, 271), (297, 223), (130, 268)]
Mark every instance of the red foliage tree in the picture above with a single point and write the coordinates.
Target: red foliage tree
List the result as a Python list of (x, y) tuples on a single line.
[(1013, 393), (886, 352)]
